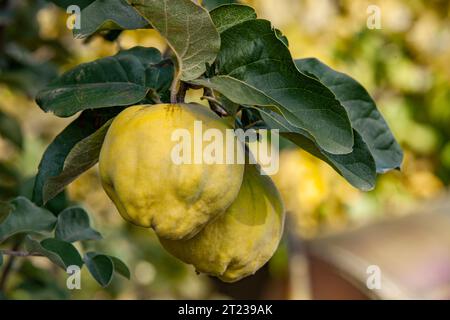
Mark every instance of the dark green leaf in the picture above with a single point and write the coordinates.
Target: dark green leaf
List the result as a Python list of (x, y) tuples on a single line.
[(10, 129), (120, 267), (188, 29), (61, 253), (56, 205), (358, 167), (25, 216), (227, 16), (65, 250), (282, 37), (109, 15), (34, 247), (211, 4), (83, 156), (52, 162), (100, 266), (256, 68), (1, 259), (74, 225), (120, 80), (363, 113)]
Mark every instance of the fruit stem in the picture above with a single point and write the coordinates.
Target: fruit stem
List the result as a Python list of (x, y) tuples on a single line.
[(214, 104), (174, 90)]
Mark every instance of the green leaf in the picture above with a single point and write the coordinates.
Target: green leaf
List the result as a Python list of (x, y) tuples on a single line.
[(34, 247), (10, 129), (256, 68), (61, 253), (83, 156), (1, 259), (357, 167), (74, 225), (188, 29), (227, 16), (363, 113), (282, 37), (109, 15), (25, 216), (66, 3), (65, 250), (211, 4), (120, 267), (52, 163), (100, 266), (120, 80)]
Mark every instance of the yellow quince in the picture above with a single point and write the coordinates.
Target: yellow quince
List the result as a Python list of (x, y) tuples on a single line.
[(149, 189), (242, 240)]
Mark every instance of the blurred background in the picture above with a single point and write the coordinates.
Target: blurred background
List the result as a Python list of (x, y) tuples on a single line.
[(334, 232)]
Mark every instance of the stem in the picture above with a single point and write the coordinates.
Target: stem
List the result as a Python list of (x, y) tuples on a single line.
[(8, 267), (14, 253), (214, 104), (174, 89), (250, 125), (181, 95)]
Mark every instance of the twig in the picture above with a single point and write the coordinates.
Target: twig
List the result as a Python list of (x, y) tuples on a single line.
[(8, 267), (174, 88), (14, 253), (214, 104), (182, 90), (253, 124)]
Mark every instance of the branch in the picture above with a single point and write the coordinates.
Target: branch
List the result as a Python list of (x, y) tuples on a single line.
[(8, 267), (14, 253), (214, 104)]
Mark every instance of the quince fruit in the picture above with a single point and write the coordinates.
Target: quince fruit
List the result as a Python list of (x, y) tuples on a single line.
[(150, 190), (242, 240)]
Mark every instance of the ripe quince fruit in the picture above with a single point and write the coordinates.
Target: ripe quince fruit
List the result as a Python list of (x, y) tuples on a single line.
[(242, 240), (150, 190)]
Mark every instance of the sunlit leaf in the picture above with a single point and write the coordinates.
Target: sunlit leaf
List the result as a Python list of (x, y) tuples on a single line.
[(109, 15), (120, 80), (254, 67), (363, 113), (227, 16), (188, 29)]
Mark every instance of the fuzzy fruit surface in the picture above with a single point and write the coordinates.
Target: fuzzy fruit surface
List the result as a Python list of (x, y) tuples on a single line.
[(242, 240), (148, 188)]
